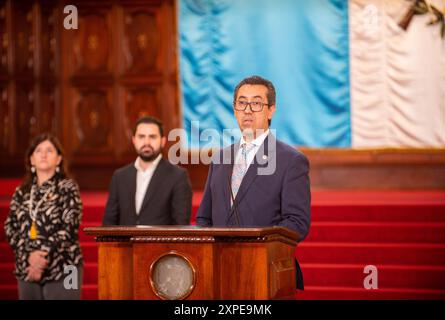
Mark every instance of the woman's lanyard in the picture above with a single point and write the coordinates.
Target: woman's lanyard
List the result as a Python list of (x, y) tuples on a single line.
[(33, 213)]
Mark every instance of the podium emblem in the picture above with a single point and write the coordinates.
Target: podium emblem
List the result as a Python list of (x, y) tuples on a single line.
[(172, 276)]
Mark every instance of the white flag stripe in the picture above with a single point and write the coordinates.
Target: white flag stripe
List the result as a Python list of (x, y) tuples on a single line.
[(397, 77)]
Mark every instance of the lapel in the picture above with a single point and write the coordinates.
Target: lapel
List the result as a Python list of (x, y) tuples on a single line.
[(229, 155), (155, 182), (132, 192), (265, 153)]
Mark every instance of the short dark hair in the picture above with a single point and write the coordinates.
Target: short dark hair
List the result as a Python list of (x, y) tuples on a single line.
[(149, 120), (257, 80)]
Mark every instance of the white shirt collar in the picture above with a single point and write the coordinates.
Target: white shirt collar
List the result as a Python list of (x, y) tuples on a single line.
[(153, 165), (258, 141)]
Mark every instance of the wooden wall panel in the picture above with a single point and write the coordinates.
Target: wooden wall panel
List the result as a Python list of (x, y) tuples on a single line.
[(141, 40), (47, 40), (92, 44), (364, 169), (5, 120), (23, 20), (24, 115), (93, 117), (4, 39), (139, 101), (114, 70), (88, 86), (5, 95), (47, 108)]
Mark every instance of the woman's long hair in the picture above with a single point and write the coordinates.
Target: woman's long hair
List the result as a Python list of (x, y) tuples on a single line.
[(29, 175)]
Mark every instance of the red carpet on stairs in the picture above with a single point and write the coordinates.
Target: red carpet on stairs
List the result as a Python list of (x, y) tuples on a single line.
[(402, 233)]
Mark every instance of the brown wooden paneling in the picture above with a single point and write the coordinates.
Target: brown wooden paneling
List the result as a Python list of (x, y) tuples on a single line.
[(282, 270), (47, 108), (92, 43), (23, 21), (139, 101), (363, 169), (5, 120), (4, 39), (93, 121), (25, 115), (378, 169), (47, 40), (221, 259), (120, 271), (88, 86), (233, 259), (141, 40), (125, 51)]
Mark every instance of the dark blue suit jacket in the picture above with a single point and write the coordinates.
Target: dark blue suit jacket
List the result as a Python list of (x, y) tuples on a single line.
[(266, 197)]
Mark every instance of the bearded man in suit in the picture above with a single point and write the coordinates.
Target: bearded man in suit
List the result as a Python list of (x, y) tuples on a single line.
[(151, 190)]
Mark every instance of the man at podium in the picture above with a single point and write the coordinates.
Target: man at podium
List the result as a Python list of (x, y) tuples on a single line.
[(258, 181)]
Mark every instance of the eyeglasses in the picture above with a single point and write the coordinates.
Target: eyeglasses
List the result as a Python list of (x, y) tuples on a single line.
[(255, 106)]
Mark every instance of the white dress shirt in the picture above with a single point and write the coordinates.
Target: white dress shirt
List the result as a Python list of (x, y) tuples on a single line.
[(256, 145), (143, 179)]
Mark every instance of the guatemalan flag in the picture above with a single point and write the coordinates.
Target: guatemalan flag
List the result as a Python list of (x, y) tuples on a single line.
[(346, 73)]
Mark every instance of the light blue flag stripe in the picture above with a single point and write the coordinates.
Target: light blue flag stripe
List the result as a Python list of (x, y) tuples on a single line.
[(301, 46)]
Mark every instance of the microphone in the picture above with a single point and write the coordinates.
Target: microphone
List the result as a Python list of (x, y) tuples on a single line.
[(234, 206)]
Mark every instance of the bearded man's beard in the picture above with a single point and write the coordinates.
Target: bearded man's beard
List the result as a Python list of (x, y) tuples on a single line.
[(150, 154)]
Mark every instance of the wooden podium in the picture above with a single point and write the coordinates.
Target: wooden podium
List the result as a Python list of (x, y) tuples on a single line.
[(187, 262)]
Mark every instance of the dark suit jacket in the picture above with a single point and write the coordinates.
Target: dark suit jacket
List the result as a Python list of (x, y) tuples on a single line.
[(168, 199), (282, 198)]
